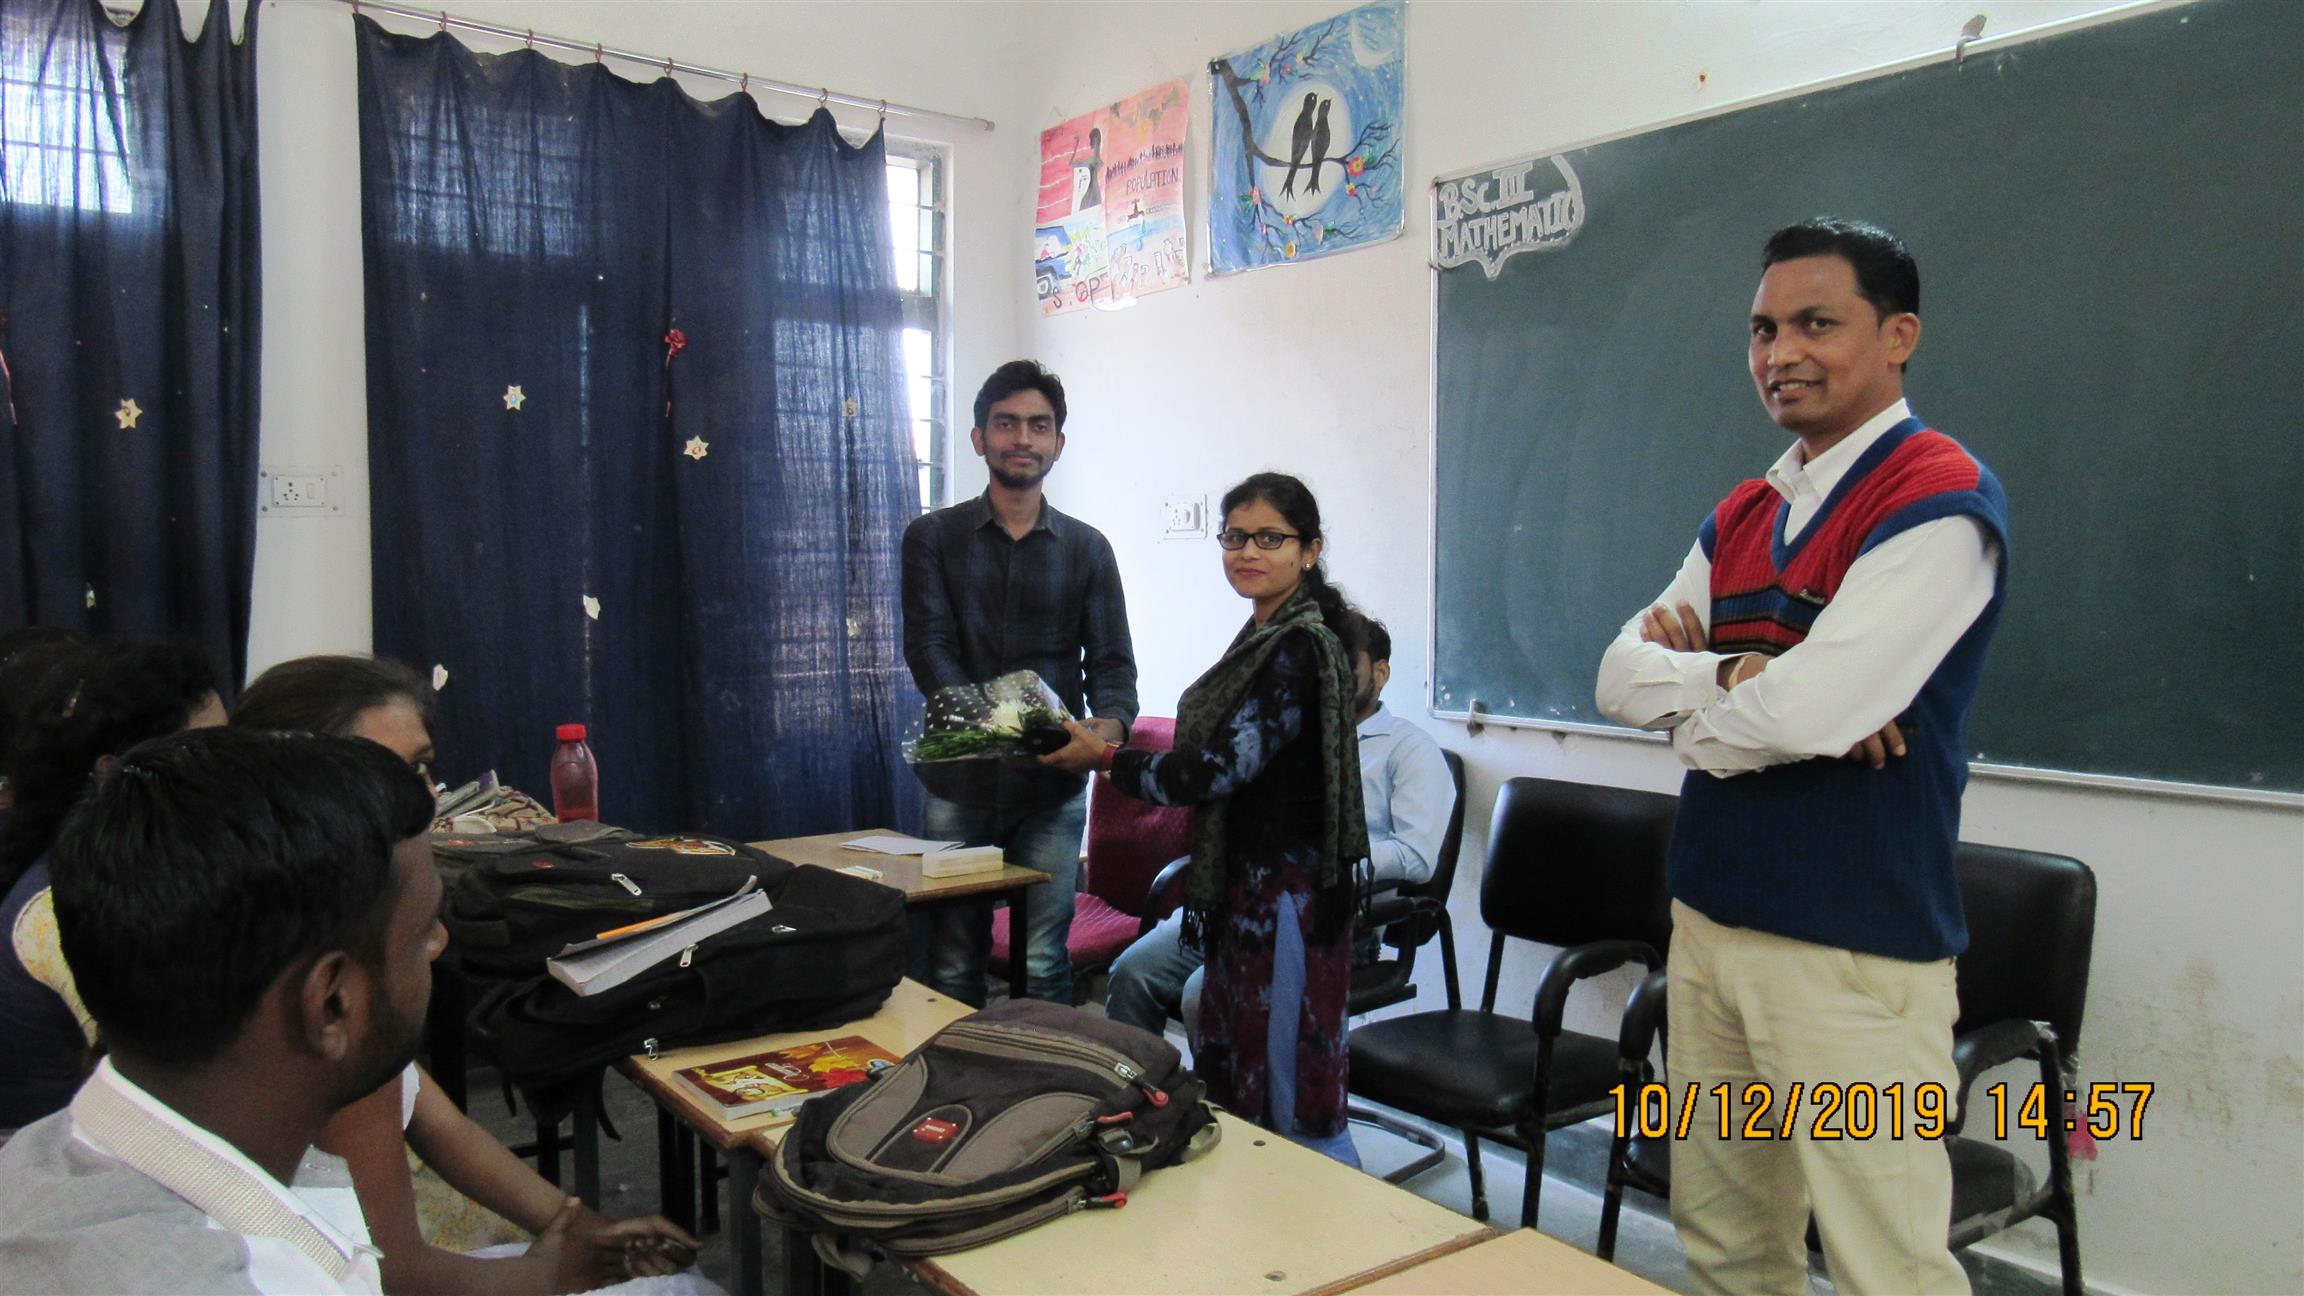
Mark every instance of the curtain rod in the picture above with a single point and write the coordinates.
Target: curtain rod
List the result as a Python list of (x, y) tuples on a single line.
[(445, 20)]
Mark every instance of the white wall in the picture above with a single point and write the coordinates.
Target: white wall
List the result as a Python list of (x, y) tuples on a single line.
[(312, 573), (1324, 369)]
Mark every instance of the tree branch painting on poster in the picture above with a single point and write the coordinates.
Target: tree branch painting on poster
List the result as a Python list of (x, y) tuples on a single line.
[(1109, 226), (1305, 156)]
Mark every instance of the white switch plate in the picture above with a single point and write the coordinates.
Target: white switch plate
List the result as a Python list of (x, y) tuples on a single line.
[(1184, 519), (299, 492)]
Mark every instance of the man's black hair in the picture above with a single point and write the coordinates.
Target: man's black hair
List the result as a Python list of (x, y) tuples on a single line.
[(213, 860), (1369, 636), (1016, 376), (326, 694), (1886, 275)]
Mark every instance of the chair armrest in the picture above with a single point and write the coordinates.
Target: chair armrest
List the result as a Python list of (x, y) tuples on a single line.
[(1643, 1015), (1997, 1044), (1386, 910), (1165, 894), (1577, 964)]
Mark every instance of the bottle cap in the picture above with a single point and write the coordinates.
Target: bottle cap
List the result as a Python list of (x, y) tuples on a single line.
[(571, 733)]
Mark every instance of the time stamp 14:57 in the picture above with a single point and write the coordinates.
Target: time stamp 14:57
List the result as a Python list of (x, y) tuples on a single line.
[(1861, 1110)]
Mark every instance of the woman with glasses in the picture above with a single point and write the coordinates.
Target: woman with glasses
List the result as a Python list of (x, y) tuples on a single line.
[(1267, 752)]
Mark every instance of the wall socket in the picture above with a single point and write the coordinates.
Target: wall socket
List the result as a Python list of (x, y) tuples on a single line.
[(299, 492), (1184, 519)]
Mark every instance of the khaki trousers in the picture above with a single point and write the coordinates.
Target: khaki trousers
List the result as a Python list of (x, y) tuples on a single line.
[(1761, 1013)]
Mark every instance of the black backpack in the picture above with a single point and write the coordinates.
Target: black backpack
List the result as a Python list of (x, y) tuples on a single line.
[(1005, 1119), (829, 951)]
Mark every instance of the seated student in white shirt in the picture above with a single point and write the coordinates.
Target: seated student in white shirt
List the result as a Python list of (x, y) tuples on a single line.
[(251, 920), (1408, 793)]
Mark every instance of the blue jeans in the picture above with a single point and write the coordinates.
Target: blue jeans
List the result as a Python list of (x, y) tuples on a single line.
[(1157, 978), (950, 944)]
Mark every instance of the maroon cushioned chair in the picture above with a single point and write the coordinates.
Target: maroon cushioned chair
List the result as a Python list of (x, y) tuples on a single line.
[(1128, 841)]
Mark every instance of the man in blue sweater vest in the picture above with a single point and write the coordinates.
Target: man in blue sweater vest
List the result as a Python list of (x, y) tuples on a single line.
[(1814, 661)]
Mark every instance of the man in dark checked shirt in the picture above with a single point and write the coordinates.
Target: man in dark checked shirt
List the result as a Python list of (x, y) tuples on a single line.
[(1004, 583)]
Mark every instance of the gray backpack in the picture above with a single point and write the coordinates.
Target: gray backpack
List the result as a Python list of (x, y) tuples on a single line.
[(1005, 1119)]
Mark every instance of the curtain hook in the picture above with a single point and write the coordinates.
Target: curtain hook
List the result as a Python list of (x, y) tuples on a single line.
[(744, 84), (667, 65), (883, 112), (596, 55), (443, 21), (531, 38), (824, 98)]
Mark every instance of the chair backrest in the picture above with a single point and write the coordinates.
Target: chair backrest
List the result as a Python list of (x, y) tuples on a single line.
[(1570, 863), (1128, 839), (2031, 930), (1407, 936)]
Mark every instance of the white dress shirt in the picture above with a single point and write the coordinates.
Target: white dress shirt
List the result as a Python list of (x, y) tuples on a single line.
[(275, 1267), (1898, 611), (1408, 792)]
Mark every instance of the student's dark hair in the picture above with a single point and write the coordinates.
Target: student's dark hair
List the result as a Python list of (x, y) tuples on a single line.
[(1369, 636), (1886, 275), (98, 701), (1293, 500), (211, 861), (1016, 376), (326, 694), (27, 655)]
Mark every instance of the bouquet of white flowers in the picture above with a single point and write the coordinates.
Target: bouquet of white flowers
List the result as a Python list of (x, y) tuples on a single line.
[(1016, 715)]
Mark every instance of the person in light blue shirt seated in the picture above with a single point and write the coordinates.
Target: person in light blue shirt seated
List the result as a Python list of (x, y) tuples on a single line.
[(1409, 795)]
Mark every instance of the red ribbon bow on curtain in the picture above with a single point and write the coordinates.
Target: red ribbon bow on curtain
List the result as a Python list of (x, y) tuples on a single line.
[(674, 342)]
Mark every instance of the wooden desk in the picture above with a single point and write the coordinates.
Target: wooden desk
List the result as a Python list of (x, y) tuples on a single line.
[(911, 1014), (1521, 1263), (1259, 1214), (903, 873)]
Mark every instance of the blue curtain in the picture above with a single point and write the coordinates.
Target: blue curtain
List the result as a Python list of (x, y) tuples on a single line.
[(128, 322), (636, 435)]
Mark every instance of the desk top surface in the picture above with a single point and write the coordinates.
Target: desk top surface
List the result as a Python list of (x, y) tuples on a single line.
[(1258, 1214), (912, 1013), (899, 871), (1520, 1263)]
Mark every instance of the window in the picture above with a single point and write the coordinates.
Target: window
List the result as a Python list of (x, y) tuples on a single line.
[(916, 224), (63, 120)]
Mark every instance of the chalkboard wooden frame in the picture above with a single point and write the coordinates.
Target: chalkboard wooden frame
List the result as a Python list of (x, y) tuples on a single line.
[(1475, 716)]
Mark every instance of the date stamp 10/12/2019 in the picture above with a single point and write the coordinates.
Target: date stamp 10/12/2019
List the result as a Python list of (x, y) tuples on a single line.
[(1860, 1110)]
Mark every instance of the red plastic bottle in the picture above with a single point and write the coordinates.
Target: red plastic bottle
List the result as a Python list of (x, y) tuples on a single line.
[(575, 778)]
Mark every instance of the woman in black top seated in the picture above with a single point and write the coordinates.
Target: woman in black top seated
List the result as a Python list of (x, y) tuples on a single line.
[(1267, 751), (90, 704)]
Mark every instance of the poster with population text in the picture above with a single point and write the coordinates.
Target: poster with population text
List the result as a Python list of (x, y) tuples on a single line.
[(1109, 227)]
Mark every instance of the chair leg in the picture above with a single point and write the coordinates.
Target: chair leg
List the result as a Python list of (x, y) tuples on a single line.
[(1436, 1149), (708, 1176), (1533, 1186), (1472, 1167), (1612, 1200)]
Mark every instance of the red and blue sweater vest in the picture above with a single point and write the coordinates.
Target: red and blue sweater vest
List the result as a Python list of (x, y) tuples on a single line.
[(1828, 850)]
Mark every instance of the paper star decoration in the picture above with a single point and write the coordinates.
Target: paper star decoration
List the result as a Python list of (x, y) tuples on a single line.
[(591, 607), (128, 413), (514, 397), (849, 407), (439, 678), (91, 596), (698, 447)]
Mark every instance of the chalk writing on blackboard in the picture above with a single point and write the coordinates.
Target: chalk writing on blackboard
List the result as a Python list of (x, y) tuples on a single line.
[(1492, 215)]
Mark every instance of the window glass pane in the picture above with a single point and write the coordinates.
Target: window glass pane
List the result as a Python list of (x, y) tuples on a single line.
[(904, 223), (924, 440)]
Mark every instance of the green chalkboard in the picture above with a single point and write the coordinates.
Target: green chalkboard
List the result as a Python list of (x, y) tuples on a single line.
[(2109, 223)]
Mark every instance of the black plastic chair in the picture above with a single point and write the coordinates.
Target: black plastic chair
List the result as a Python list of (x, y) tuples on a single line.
[(1568, 865), (1410, 916), (2023, 992)]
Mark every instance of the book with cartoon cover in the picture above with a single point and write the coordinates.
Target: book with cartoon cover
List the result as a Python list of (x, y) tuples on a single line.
[(779, 1080)]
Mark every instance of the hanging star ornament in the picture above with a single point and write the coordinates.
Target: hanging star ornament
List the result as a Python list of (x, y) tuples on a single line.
[(439, 677), (591, 607), (514, 398), (697, 448), (849, 407), (91, 596), (128, 413)]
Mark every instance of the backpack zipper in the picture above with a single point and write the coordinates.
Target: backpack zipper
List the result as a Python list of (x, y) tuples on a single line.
[(1091, 1057), (625, 882)]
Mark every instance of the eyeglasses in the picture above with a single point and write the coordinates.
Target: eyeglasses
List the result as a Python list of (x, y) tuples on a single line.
[(1235, 538)]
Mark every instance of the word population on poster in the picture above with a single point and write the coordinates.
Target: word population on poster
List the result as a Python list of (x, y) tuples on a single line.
[(1304, 158), (1110, 223)]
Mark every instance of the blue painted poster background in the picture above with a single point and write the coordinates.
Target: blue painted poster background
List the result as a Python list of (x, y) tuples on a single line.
[(1304, 159)]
